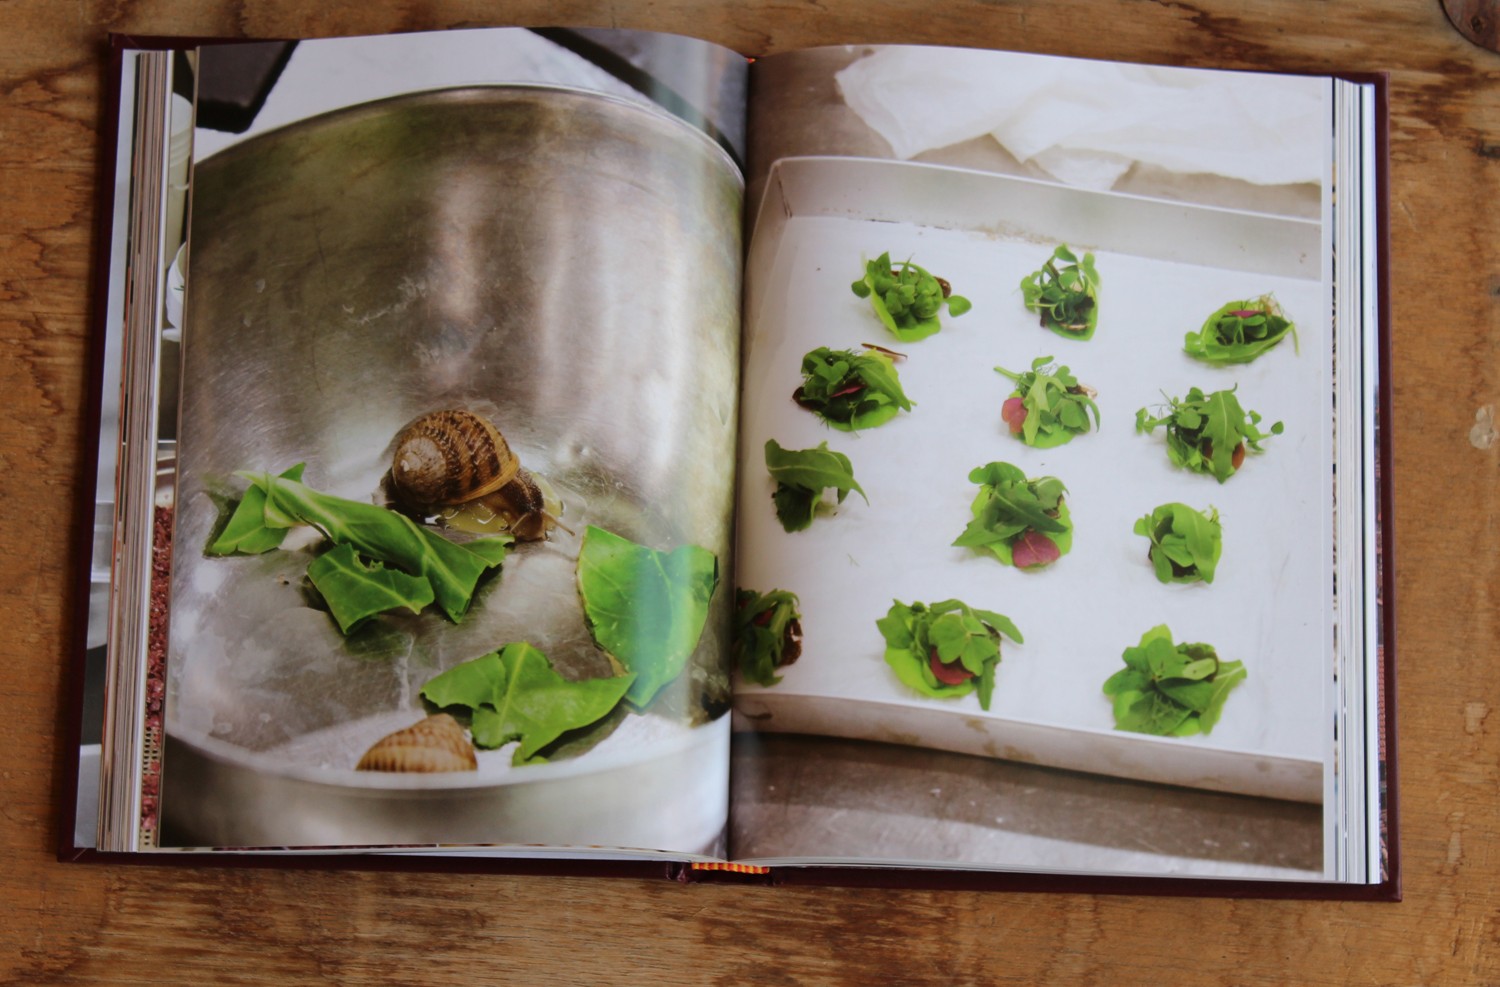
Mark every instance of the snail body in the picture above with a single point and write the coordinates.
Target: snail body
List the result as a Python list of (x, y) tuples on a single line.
[(456, 464)]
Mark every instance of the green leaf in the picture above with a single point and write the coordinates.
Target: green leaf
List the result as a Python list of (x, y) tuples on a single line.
[(1203, 431), (802, 475), (516, 695), (1066, 298), (959, 634), (1185, 543), (1240, 331), (767, 633), (907, 299), (644, 607), (383, 535), (355, 591), (246, 532), (1008, 505), (850, 390), (1168, 689)]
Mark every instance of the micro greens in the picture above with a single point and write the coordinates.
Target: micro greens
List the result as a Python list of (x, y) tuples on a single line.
[(802, 475), (945, 650), (851, 390), (1171, 690), (1240, 331), (1048, 406), (907, 299), (1208, 433), (1023, 522), (1067, 297), (1185, 543), (767, 633)]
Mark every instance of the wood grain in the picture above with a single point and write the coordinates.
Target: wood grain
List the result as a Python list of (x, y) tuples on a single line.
[(70, 924)]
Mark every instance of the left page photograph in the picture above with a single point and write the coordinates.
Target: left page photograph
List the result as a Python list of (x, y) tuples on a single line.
[(453, 474)]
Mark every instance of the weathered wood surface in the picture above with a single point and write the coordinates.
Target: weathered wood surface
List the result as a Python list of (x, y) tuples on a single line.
[(97, 924)]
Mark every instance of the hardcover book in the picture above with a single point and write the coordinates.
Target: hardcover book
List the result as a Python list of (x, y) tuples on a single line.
[(563, 448)]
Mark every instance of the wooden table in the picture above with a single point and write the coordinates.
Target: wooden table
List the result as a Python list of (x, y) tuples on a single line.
[(106, 924)]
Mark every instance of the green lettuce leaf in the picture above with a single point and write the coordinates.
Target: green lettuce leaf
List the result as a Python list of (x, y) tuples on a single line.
[(907, 299), (514, 694), (1185, 543), (645, 608), (1240, 331), (355, 591), (1008, 505), (851, 390), (767, 633), (1065, 297), (1053, 406), (1171, 690), (385, 536), (802, 475), (962, 639), (1203, 431), (246, 533)]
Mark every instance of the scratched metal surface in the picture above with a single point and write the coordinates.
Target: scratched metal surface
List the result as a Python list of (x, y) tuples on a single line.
[(503, 249)]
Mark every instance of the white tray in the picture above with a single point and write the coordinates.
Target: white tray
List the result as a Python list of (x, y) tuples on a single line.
[(1163, 268)]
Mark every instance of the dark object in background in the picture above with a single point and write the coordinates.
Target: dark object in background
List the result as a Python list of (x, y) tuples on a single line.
[(1477, 20), (234, 84)]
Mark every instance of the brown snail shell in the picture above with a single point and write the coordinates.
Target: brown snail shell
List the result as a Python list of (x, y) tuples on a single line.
[(450, 457), (435, 744)]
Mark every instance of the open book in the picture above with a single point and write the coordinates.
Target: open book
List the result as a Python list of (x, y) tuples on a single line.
[(590, 445)]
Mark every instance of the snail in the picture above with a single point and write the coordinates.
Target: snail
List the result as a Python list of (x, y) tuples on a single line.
[(457, 465), (437, 743)]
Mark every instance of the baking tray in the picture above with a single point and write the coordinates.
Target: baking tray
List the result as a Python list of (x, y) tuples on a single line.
[(1164, 266)]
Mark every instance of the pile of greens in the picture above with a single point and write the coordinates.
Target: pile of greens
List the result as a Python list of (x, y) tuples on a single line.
[(1048, 406), (645, 608), (945, 650), (1023, 522), (1067, 297), (767, 633), (802, 475), (850, 390), (381, 560), (1185, 543), (907, 300), (1240, 331), (1171, 690), (1208, 434), (515, 694)]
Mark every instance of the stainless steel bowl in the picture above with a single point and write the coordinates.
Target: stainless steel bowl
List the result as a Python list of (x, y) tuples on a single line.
[(564, 262)]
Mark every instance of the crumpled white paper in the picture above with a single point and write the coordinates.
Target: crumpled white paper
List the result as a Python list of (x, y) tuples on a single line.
[(1084, 122)]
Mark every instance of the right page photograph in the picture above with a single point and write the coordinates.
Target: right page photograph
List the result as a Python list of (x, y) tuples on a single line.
[(1036, 498)]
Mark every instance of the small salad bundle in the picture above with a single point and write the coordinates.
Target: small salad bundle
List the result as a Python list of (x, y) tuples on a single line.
[(1023, 522), (767, 633), (802, 475), (1185, 543), (945, 650), (851, 390), (1208, 433), (1171, 690), (1240, 331), (1048, 406), (907, 299), (1066, 297)]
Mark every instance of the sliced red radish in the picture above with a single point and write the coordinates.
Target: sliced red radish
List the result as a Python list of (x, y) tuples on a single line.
[(953, 673), (1014, 413), (1033, 549)]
